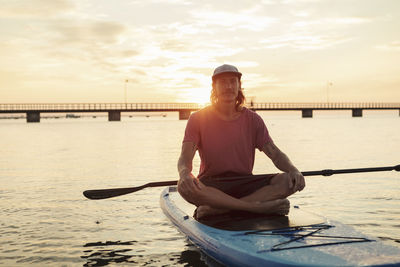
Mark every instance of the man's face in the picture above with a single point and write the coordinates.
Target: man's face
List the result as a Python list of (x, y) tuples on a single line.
[(227, 87)]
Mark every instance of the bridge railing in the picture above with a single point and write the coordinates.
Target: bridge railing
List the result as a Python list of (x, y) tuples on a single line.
[(97, 106), (322, 105), (59, 107)]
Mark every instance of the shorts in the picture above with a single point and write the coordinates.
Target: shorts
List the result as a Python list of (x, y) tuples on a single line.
[(236, 186)]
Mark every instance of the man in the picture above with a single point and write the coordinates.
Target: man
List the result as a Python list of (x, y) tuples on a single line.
[(226, 135)]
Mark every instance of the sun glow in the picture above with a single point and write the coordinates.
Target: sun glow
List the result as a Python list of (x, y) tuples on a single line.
[(197, 95)]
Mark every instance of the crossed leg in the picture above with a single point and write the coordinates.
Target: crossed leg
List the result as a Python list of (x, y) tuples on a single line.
[(270, 199)]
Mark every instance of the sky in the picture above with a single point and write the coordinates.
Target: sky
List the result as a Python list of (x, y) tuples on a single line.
[(101, 51)]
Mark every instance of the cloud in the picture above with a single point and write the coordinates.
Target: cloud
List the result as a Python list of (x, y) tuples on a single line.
[(330, 22), (34, 8), (85, 31), (304, 41), (349, 20), (176, 2), (245, 20), (314, 34), (78, 42), (392, 46)]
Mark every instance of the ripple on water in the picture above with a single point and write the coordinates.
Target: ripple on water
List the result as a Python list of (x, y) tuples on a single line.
[(102, 256)]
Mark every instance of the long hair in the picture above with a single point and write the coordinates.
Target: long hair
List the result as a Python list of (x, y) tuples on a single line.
[(240, 99)]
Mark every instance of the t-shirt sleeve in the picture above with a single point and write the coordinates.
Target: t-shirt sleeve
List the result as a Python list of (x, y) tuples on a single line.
[(262, 134), (192, 131)]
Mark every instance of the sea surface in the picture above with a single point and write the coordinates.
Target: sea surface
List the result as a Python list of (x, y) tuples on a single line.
[(44, 168)]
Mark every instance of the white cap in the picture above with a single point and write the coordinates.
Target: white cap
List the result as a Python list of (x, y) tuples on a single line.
[(226, 69)]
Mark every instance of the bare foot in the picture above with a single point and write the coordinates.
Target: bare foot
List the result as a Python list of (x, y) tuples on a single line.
[(278, 206), (203, 211)]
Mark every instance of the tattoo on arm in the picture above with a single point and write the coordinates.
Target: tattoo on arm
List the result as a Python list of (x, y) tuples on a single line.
[(280, 159), (186, 158), (271, 150)]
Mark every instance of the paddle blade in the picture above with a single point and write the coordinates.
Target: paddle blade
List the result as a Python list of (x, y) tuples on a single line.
[(114, 192), (108, 193)]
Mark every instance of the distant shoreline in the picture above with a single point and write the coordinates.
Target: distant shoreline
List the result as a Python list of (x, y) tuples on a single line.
[(85, 115)]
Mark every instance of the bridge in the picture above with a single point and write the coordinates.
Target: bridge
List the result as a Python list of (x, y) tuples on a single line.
[(114, 109)]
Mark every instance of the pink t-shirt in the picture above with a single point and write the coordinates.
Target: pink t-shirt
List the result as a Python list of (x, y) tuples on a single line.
[(226, 146)]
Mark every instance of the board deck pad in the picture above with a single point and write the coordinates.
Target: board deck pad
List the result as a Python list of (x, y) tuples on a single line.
[(242, 221)]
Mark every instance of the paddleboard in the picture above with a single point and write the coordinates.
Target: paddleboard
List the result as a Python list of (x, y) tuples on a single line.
[(299, 239)]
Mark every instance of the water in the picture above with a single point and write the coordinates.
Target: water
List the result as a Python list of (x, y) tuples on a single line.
[(44, 168)]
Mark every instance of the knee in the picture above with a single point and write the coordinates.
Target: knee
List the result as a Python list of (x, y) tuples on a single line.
[(192, 198), (283, 188), (184, 194)]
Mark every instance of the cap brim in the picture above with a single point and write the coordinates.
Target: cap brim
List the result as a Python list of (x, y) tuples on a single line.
[(238, 74)]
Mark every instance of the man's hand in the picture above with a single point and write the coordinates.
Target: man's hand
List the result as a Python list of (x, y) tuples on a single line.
[(189, 186), (296, 181)]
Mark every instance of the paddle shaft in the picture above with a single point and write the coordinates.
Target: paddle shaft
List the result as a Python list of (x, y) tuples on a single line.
[(113, 192)]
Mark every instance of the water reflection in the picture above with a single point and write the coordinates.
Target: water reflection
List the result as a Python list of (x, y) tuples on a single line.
[(102, 257), (110, 252), (105, 257)]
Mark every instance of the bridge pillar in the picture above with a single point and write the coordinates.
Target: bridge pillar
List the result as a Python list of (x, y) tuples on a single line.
[(33, 116), (114, 115), (306, 113), (184, 114), (357, 112)]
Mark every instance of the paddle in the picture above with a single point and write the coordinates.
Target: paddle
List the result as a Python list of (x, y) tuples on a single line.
[(113, 192)]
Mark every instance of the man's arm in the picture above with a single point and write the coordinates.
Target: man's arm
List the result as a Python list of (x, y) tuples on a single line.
[(283, 163), (186, 158), (280, 160), (188, 183)]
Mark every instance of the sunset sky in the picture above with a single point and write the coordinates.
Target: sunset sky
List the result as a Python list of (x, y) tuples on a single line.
[(288, 50)]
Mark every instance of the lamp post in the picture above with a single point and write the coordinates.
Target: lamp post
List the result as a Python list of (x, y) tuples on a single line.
[(126, 102)]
